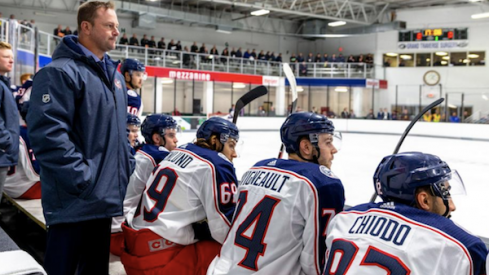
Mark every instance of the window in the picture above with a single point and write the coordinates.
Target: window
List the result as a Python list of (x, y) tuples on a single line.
[(406, 60), (458, 59), (390, 60), (423, 60), (440, 59), (477, 58)]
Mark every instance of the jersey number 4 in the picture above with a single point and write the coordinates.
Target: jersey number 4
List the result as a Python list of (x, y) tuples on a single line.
[(252, 242), (159, 191), (343, 253)]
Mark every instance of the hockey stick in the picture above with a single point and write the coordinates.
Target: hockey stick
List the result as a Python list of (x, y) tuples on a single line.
[(406, 132), (247, 98), (293, 86)]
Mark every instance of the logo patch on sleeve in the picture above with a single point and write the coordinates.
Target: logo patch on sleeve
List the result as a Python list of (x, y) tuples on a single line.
[(46, 98), (117, 83), (327, 172)]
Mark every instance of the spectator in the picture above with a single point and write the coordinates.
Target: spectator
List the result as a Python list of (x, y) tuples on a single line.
[(144, 41), (68, 31), (124, 40), (202, 49), (454, 117), (261, 55), (239, 54), (214, 51), (279, 58), (361, 59), (387, 63), (85, 162), (293, 58), (233, 52), (186, 57), (310, 58), (59, 31), (134, 40), (325, 58), (427, 116), (436, 116), (369, 60), (333, 58), (300, 58), (253, 54), (178, 46), (405, 114), (272, 57), (394, 115), (224, 55), (370, 114), (261, 112), (25, 77), (345, 113), (303, 69), (341, 58), (152, 42), (194, 48), (271, 112), (162, 44), (298, 109), (176, 112), (380, 114), (313, 110), (9, 116), (351, 59), (267, 56), (246, 54), (352, 114), (318, 58)]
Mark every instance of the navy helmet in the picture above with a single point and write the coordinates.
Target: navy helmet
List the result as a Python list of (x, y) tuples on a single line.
[(398, 176), (219, 126), (130, 65), (133, 120), (156, 123), (302, 124)]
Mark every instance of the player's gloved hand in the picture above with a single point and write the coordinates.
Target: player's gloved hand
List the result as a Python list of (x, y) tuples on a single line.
[(202, 231)]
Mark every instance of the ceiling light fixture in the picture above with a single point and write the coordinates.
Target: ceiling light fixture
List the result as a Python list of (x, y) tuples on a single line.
[(391, 54), (480, 15), (341, 89), (260, 12), (239, 85), (336, 23), (441, 53), (166, 80)]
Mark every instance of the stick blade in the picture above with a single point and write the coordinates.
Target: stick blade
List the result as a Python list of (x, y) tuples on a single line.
[(247, 98)]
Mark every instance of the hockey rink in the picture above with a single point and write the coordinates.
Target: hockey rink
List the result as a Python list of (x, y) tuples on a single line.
[(360, 154)]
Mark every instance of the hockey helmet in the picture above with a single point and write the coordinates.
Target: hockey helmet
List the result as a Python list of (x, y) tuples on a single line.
[(133, 120), (157, 123), (221, 127), (398, 176), (302, 124), (130, 65)]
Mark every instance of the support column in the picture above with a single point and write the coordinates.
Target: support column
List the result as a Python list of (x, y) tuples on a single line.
[(280, 106), (159, 96), (208, 98)]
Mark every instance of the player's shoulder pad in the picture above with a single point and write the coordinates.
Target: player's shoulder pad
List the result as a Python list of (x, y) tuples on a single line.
[(131, 93)]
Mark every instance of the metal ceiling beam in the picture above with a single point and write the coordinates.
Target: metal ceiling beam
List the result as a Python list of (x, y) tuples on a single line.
[(292, 12)]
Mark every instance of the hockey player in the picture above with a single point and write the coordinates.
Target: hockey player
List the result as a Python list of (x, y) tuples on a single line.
[(409, 233), (23, 179), (133, 123), (195, 182), (284, 206), (134, 74), (160, 133)]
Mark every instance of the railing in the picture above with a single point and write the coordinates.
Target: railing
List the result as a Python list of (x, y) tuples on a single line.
[(3, 30), (221, 63)]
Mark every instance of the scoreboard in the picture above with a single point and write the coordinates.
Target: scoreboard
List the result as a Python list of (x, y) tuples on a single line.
[(439, 34)]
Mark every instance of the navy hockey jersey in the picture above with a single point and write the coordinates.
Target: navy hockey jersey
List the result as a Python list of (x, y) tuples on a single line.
[(134, 103)]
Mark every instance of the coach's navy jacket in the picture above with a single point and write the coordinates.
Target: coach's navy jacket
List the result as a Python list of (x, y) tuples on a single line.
[(9, 125), (77, 126)]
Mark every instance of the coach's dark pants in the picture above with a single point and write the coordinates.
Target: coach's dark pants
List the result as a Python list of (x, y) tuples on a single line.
[(82, 246)]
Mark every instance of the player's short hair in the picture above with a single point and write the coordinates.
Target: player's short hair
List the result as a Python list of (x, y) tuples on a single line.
[(88, 11), (5, 45)]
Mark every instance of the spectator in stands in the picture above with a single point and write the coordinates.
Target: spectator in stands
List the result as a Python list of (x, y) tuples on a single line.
[(80, 141), (369, 60), (345, 113), (267, 56), (152, 42), (361, 59), (394, 115), (454, 117), (261, 55), (9, 116), (261, 112), (271, 111), (313, 110), (325, 58), (387, 115), (300, 58), (341, 58), (351, 59), (124, 40), (25, 77), (387, 63), (333, 58), (272, 57), (178, 46), (202, 48), (293, 58), (370, 114), (303, 69), (246, 54), (68, 31), (436, 116), (59, 31), (330, 113), (176, 112), (233, 52), (214, 51), (380, 114), (134, 40), (298, 109), (405, 114), (318, 58), (253, 54), (194, 48), (144, 41), (310, 58), (162, 44), (279, 58), (352, 114), (427, 116), (186, 57), (239, 54), (224, 55), (467, 118)]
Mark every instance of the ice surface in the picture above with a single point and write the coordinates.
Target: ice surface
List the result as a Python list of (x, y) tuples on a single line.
[(360, 154)]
